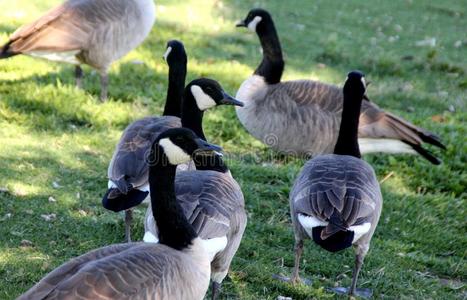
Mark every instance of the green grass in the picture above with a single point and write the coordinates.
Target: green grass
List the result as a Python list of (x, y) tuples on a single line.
[(53, 133)]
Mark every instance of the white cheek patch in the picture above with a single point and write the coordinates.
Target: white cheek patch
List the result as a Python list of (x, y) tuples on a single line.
[(363, 82), (150, 238), (252, 25), (360, 230), (174, 153), (167, 52), (203, 100)]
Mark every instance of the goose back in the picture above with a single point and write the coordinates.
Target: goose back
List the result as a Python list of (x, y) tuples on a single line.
[(126, 271), (128, 164), (302, 117), (214, 204), (92, 32), (340, 188)]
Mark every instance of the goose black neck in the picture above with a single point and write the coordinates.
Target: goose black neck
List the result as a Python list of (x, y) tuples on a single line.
[(192, 116), (174, 229), (173, 102), (347, 141), (272, 65), (211, 163)]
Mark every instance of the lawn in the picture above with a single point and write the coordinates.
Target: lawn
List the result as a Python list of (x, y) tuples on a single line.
[(56, 142)]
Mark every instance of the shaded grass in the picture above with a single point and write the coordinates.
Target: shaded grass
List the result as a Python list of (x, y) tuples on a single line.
[(54, 135)]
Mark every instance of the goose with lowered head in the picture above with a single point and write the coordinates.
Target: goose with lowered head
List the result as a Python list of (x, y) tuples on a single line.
[(92, 32), (302, 117), (176, 268), (336, 199)]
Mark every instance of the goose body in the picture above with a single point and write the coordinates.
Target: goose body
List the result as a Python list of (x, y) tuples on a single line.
[(213, 203), (114, 272), (92, 32), (336, 199), (302, 117), (175, 269)]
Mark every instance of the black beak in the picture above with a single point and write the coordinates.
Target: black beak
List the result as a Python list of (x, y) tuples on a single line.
[(240, 24), (205, 146), (229, 100)]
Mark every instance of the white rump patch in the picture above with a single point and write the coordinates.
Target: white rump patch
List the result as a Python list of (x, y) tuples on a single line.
[(111, 185), (150, 238), (360, 230), (252, 25), (174, 153), (367, 145), (214, 246), (67, 56), (203, 100), (309, 222), (167, 52)]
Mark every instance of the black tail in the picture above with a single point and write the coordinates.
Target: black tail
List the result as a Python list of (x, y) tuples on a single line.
[(5, 52), (425, 153)]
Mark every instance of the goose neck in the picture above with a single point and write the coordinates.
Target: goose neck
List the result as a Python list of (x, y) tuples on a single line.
[(192, 116), (173, 103), (174, 229), (272, 65), (347, 140)]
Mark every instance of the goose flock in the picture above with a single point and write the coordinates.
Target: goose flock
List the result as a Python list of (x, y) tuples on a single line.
[(196, 216)]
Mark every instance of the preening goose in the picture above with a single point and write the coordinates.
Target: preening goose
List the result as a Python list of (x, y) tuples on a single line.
[(336, 199), (128, 171), (176, 268), (92, 32), (302, 117), (213, 203)]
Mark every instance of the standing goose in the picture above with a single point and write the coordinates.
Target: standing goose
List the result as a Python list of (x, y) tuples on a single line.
[(336, 199), (128, 171), (176, 268), (213, 203), (302, 117), (92, 32)]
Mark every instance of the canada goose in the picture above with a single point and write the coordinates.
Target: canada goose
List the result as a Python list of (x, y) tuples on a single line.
[(128, 171), (92, 32), (336, 199), (302, 117), (176, 268), (213, 203)]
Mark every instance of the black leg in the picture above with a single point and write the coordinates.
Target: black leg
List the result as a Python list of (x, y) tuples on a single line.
[(128, 220), (104, 86), (215, 290), (79, 76)]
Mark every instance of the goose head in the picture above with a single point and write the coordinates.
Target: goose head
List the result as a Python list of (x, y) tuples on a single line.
[(208, 93), (175, 52), (256, 19), (355, 84), (178, 145)]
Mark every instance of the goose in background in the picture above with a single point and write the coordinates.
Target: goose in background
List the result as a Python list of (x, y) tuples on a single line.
[(336, 199), (176, 268), (213, 203), (302, 117), (128, 171), (92, 32)]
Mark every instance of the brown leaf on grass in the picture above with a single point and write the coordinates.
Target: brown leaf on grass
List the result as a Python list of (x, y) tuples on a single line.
[(438, 118), (26, 243)]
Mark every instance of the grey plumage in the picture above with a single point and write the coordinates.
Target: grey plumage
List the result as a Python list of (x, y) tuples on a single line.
[(213, 203), (302, 117), (92, 32), (340, 191), (128, 165)]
